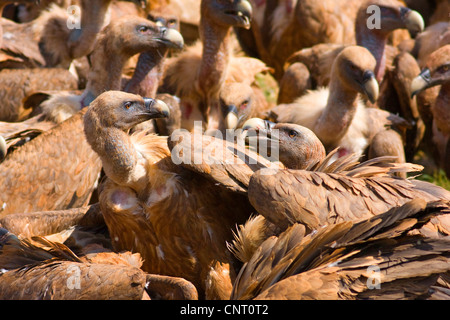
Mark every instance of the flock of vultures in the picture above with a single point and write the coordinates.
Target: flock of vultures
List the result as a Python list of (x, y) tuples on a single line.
[(224, 149)]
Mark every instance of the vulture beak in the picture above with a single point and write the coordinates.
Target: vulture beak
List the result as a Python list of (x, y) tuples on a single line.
[(412, 20), (421, 82), (258, 124), (171, 37), (156, 108), (370, 86), (231, 119), (261, 133), (3, 148), (244, 12)]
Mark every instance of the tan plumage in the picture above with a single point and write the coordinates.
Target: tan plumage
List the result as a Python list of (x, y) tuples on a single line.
[(369, 259)]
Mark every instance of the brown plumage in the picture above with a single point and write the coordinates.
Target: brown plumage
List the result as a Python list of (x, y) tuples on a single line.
[(49, 222), (197, 75), (336, 114), (39, 176), (369, 259), (342, 191), (284, 27), (394, 16), (17, 84), (436, 72), (66, 184), (148, 200), (47, 39), (39, 269)]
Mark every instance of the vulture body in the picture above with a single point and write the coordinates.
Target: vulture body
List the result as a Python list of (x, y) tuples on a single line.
[(152, 194), (369, 259), (65, 184), (436, 72), (393, 69)]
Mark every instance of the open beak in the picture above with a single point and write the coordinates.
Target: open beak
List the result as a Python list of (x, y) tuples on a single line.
[(172, 38), (156, 108), (421, 82), (370, 86), (413, 20)]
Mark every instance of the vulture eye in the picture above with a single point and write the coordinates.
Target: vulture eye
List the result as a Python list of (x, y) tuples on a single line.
[(245, 104), (127, 105), (444, 68), (143, 29), (171, 23), (293, 133)]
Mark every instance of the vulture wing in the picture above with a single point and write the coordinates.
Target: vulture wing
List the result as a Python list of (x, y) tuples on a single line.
[(335, 262), (227, 163)]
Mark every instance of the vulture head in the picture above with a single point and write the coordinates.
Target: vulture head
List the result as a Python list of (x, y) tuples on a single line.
[(393, 15), (121, 110), (136, 35), (355, 66), (232, 13), (299, 148), (436, 71), (236, 101)]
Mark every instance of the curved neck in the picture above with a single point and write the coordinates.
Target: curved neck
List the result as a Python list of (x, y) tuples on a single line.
[(147, 74), (82, 40), (114, 147), (215, 56), (106, 68), (339, 112)]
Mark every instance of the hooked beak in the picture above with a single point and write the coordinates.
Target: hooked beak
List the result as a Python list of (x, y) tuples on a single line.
[(413, 20), (421, 82), (243, 12), (171, 37), (231, 119), (370, 86), (156, 108), (3, 148)]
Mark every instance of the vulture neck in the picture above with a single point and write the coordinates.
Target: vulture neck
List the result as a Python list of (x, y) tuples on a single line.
[(105, 74), (339, 112), (117, 153), (213, 68), (375, 42), (147, 74), (215, 57), (81, 41)]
